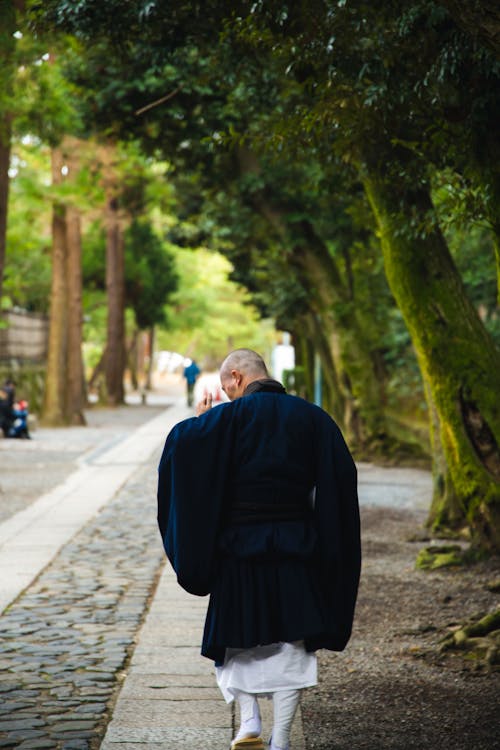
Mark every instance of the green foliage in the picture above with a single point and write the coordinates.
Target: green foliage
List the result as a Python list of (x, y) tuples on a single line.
[(210, 315), (318, 91), (150, 276), (27, 271)]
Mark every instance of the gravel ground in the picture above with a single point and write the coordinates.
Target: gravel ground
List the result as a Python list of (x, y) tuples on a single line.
[(30, 468), (391, 689)]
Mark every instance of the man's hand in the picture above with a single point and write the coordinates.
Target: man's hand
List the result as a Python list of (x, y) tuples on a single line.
[(204, 405)]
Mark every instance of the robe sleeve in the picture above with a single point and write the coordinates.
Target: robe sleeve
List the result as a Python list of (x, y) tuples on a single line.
[(192, 478), (337, 520)]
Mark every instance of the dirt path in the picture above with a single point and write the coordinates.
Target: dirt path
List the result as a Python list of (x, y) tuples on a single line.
[(391, 690)]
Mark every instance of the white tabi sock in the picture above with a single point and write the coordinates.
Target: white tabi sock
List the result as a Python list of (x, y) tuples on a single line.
[(251, 725), (285, 704)]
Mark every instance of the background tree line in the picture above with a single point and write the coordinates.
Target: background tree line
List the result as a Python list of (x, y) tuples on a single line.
[(344, 156)]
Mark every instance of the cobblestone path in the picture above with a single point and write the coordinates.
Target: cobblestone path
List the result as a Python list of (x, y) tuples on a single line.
[(68, 636)]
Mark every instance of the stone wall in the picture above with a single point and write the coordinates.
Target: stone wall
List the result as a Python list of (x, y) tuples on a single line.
[(23, 336)]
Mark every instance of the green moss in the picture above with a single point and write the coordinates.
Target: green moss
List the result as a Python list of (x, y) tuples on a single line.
[(433, 558)]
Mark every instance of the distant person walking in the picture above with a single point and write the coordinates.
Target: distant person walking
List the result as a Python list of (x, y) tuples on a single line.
[(191, 372), (257, 506)]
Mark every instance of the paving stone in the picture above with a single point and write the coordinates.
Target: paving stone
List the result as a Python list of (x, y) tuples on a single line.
[(26, 734), (27, 723), (185, 738), (72, 726)]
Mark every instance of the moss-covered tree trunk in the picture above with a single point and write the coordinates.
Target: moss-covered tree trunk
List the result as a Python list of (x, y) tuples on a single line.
[(458, 358), (446, 512)]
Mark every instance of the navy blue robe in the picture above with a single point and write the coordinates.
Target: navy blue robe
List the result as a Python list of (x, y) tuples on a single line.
[(279, 577)]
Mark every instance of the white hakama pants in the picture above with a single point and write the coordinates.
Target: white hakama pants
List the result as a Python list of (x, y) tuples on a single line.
[(277, 670), (265, 669)]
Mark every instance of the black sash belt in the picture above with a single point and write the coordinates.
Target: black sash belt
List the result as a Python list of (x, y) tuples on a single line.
[(248, 511)]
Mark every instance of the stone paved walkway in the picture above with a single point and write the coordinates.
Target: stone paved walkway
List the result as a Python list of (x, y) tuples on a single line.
[(69, 636)]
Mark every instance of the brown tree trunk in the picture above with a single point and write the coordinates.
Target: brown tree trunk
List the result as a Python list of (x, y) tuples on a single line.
[(4, 196), (133, 359), (54, 400), (148, 358), (115, 287), (7, 71), (75, 378)]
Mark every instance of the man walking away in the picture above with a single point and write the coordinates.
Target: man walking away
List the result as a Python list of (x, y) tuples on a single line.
[(257, 506)]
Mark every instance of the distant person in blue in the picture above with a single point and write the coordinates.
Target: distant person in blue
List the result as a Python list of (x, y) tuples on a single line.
[(191, 372), (258, 507)]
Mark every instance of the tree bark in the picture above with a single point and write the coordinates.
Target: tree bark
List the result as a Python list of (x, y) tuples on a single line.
[(133, 359), (75, 378), (446, 512), (4, 196), (54, 399), (459, 360), (7, 72), (148, 358), (115, 359)]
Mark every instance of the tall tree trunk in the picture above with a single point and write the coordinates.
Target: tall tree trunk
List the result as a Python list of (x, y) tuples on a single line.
[(115, 287), (4, 196), (133, 359), (7, 72), (54, 399), (458, 358), (75, 378), (148, 358), (115, 359), (446, 511)]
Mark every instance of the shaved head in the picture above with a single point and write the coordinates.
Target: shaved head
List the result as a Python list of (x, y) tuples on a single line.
[(245, 361)]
